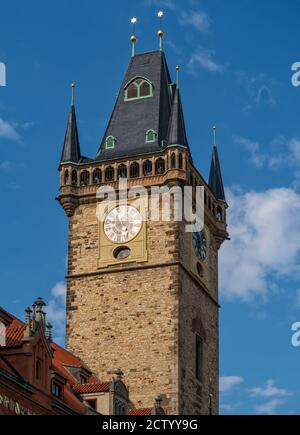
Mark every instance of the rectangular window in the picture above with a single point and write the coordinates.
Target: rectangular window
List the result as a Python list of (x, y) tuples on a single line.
[(56, 389), (199, 358), (93, 404), (83, 380)]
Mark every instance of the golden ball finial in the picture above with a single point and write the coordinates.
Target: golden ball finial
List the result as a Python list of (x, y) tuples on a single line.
[(73, 85), (133, 39), (160, 33), (177, 68)]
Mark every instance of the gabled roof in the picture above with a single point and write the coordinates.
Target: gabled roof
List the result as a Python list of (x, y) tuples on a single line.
[(177, 132), (215, 177), (100, 387), (71, 149), (130, 120)]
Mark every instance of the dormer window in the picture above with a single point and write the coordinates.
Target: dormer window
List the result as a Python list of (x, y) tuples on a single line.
[(150, 136), (138, 88), (83, 379), (56, 390), (110, 142)]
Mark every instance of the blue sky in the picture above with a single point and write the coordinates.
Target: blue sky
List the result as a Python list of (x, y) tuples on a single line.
[(236, 59)]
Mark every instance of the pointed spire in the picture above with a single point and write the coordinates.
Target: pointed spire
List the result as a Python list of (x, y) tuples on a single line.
[(71, 149), (177, 133), (215, 177)]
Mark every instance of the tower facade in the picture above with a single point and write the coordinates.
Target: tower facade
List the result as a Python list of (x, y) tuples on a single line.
[(142, 294)]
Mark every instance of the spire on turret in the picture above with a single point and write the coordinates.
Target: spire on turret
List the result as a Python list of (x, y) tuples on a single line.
[(177, 132), (215, 177), (71, 149)]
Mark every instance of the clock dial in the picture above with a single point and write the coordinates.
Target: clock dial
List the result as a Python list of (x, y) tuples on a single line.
[(122, 224), (199, 244)]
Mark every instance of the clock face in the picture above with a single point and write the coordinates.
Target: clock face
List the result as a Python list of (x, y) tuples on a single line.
[(199, 244), (122, 224)]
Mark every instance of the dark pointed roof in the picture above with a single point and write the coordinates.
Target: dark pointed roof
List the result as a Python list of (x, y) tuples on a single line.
[(215, 177), (177, 132), (71, 149), (130, 120)]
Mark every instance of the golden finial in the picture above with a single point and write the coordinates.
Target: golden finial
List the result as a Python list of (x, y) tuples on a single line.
[(73, 93), (160, 33), (215, 135), (133, 37)]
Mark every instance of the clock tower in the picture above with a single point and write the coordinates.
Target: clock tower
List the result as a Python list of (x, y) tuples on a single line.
[(142, 293)]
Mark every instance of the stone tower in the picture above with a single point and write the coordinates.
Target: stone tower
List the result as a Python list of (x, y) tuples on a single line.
[(143, 295)]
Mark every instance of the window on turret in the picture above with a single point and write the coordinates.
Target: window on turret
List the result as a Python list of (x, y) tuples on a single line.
[(109, 173), (173, 161), (138, 88), (147, 168), (159, 166), (110, 142), (97, 176), (85, 178), (122, 171), (134, 170), (150, 136), (180, 161), (74, 178)]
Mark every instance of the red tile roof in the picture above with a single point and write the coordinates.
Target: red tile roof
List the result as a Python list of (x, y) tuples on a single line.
[(144, 411), (91, 388), (14, 333)]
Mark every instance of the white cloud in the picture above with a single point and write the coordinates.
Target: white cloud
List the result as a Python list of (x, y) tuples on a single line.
[(6, 166), (259, 88), (56, 311), (265, 242), (204, 59), (168, 4), (197, 19), (8, 131), (270, 407), (275, 397), (269, 391), (228, 383), (256, 157)]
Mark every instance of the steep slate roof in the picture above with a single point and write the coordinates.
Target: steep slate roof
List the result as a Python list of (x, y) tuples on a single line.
[(130, 120), (215, 177), (177, 132), (71, 149)]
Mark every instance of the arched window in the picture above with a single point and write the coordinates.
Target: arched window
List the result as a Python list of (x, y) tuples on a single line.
[(84, 178), (205, 198), (97, 176), (134, 170), (138, 88), (122, 171), (110, 142), (74, 178), (159, 166), (150, 136), (180, 163), (109, 173), (209, 203), (147, 168), (219, 214), (66, 177), (173, 161)]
